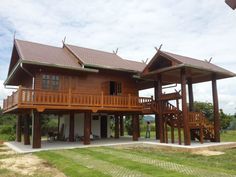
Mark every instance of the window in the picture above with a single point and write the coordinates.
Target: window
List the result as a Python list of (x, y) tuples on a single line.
[(115, 88), (55, 82), (50, 82), (46, 82)]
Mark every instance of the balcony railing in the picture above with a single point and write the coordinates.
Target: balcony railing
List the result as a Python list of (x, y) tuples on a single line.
[(25, 97)]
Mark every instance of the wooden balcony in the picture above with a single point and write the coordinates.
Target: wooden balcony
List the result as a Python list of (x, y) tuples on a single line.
[(25, 98)]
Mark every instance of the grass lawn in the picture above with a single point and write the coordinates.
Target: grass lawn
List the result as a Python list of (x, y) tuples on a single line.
[(139, 160)]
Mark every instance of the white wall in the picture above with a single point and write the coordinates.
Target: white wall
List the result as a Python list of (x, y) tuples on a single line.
[(79, 125)]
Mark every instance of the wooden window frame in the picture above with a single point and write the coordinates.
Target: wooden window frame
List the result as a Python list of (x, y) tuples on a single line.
[(50, 82)]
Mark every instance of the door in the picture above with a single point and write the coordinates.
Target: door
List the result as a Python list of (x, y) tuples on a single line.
[(103, 126)]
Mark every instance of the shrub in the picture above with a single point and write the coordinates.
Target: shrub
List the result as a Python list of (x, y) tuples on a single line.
[(7, 129)]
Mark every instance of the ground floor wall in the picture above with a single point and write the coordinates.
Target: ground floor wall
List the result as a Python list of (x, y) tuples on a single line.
[(79, 125)]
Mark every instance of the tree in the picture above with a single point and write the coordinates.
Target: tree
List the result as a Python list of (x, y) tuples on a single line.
[(207, 109)]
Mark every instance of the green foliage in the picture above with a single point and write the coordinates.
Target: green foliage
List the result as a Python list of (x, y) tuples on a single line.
[(128, 125), (6, 129), (207, 109)]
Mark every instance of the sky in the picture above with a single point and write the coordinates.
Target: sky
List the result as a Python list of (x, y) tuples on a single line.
[(196, 28)]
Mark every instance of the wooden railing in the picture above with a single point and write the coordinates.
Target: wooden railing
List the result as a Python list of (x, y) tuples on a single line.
[(28, 97)]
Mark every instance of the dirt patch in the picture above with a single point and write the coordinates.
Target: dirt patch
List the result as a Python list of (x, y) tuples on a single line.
[(27, 164), (208, 153), (1, 142)]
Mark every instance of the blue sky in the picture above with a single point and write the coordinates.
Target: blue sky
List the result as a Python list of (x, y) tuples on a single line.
[(196, 28)]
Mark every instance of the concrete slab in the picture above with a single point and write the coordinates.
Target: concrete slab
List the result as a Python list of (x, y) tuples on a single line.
[(127, 141)]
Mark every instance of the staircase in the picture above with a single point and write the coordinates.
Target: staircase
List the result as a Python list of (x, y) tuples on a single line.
[(200, 127)]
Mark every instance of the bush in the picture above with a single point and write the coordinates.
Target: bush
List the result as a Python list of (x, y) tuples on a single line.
[(7, 129)]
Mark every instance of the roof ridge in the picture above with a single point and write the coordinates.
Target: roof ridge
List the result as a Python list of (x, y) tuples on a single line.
[(97, 50), (37, 43)]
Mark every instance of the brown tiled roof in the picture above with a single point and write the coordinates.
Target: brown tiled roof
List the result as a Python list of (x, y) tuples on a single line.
[(195, 63), (101, 59), (30, 51)]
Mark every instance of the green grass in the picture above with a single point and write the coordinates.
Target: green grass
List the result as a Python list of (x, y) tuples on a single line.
[(71, 161), (228, 136)]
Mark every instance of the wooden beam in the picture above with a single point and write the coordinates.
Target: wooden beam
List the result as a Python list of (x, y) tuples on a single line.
[(26, 129), (135, 120), (157, 120), (117, 126), (216, 110), (87, 127), (121, 125), (184, 108), (160, 107), (190, 95), (18, 127), (36, 129), (72, 127)]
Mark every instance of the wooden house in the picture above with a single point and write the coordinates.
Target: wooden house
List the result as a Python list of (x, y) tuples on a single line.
[(87, 87)]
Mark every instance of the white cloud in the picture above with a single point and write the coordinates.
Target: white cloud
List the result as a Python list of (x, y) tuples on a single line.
[(196, 28)]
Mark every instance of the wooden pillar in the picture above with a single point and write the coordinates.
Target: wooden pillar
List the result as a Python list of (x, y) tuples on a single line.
[(184, 108), (121, 125), (160, 107), (156, 94), (190, 95), (216, 110), (116, 126), (135, 120), (26, 129), (138, 127), (58, 126), (18, 127), (87, 127), (36, 130), (72, 127), (172, 135)]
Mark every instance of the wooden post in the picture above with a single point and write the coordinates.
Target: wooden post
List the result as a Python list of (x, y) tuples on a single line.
[(72, 127), (36, 130), (87, 127), (172, 135), (157, 119), (160, 107), (135, 127), (166, 130), (184, 108), (190, 92), (116, 126), (138, 127), (129, 100), (216, 109), (26, 130), (102, 99), (18, 127), (121, 125), (58, 126), (69, 97), (179, 132), (19, 95)]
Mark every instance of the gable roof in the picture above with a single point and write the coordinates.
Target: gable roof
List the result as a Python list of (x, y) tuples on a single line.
[(35, 52), (101, 59)]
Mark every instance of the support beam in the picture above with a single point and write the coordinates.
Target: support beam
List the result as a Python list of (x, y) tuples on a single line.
[(58, 126), (72, 127), (190, 95), (26, 129), (216, 110), (36, 130), (121, 125), (184, 108), (117, 126), (160, 107), (138, 127), (135, 120), (18, 127), (156, 94), (87, 127)]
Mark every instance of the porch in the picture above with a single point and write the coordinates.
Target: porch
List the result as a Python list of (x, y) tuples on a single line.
[(26, 98)]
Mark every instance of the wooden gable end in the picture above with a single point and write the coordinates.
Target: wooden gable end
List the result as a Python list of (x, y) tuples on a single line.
[(160, 61), (14, 59)]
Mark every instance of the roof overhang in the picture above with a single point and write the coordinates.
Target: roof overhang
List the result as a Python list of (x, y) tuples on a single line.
[(231, 3), (21, 62)]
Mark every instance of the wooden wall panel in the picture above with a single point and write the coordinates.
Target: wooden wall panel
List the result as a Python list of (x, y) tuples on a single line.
[(91, 83)]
